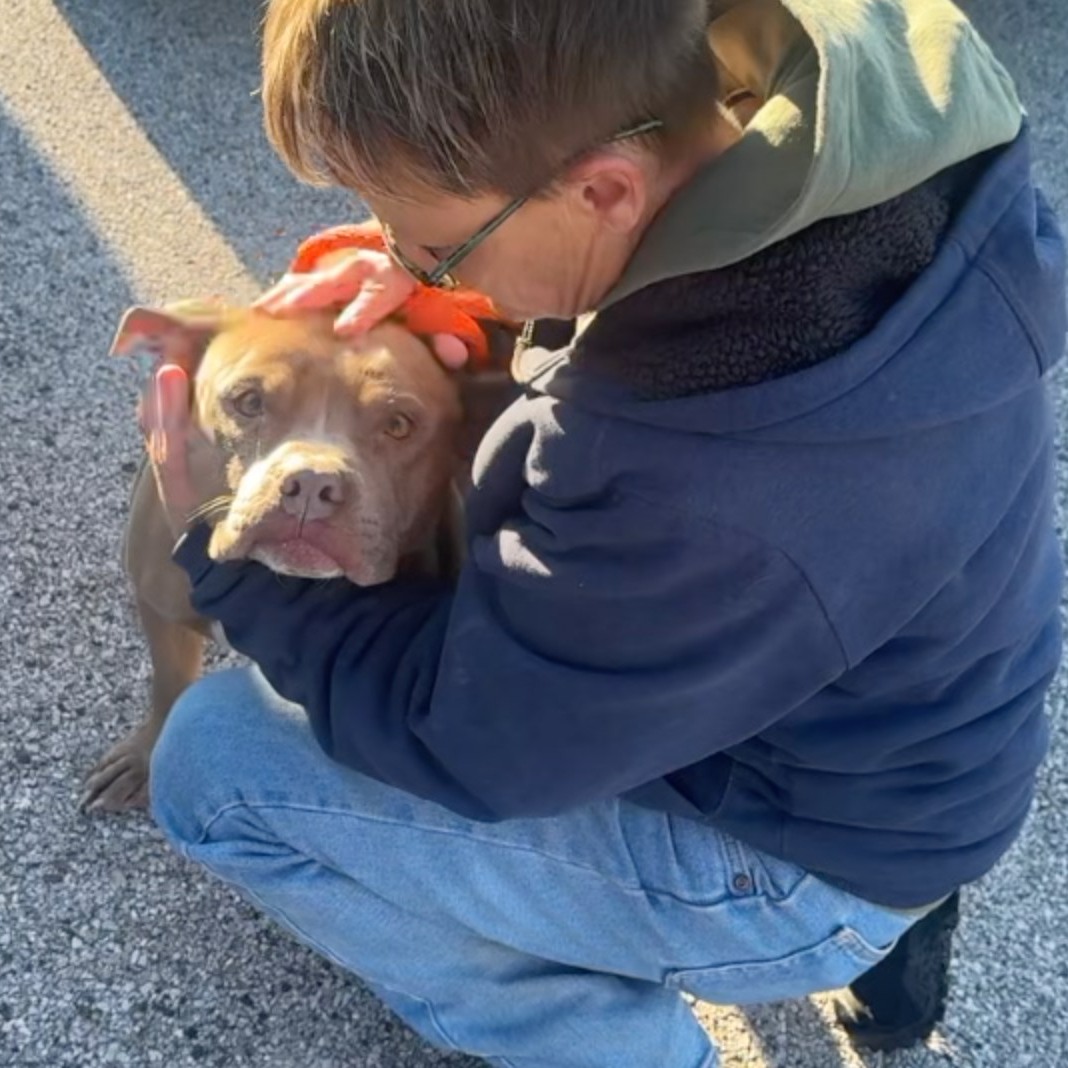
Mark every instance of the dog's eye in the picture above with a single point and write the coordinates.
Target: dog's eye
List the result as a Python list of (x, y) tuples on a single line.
[(399, 426), (248, 403)]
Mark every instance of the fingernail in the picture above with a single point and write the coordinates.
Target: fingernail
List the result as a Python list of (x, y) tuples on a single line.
[(357, 318), (347, 326), (272, 294), (281, 300), (270, 307)]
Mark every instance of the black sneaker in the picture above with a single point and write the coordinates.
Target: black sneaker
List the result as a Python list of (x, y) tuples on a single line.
[(899, 1002)]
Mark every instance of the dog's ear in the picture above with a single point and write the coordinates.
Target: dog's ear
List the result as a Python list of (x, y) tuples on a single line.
[(483, 396), (175, 333), (485, 392), (501, 339)]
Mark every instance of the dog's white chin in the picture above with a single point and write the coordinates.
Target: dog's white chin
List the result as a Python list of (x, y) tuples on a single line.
[(299, 559)]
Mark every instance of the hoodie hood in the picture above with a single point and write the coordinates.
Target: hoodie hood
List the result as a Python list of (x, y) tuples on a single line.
[(863, 101), (981, 324)]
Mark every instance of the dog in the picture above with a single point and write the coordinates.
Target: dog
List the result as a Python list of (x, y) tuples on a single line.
[(332, 459)]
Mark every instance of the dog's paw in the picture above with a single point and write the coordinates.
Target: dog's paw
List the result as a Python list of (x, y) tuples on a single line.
[(119, 782)]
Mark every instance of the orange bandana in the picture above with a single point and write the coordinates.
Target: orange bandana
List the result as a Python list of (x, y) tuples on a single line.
[(427, 311)]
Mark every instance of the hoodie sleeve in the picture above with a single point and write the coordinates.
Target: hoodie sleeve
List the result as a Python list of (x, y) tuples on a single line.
[(587, 649)]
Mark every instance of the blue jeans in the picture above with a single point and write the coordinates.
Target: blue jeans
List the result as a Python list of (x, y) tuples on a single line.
[(541, 943)]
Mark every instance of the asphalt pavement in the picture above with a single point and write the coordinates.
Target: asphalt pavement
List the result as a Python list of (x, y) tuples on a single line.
[(133, 169)]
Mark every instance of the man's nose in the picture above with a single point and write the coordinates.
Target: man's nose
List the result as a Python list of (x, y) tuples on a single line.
[(312, 494)]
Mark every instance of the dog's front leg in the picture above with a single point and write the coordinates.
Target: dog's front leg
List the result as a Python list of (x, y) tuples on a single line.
[(120, 780)]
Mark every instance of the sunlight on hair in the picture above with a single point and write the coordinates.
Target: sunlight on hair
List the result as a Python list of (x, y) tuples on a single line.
[(103, 157)]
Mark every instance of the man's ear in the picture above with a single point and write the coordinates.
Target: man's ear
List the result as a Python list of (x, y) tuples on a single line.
[(613, 186), (175, 333)]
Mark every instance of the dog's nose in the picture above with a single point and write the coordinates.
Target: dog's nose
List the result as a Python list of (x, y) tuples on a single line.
[(312, 495)]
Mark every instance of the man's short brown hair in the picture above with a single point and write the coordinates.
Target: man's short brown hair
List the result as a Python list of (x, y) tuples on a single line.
[(474, 96)]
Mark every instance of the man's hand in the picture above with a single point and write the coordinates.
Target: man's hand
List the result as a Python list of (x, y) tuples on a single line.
[(188, 468), (368, 285)]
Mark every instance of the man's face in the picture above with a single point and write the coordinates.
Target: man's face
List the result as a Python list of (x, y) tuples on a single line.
[(556, 257)]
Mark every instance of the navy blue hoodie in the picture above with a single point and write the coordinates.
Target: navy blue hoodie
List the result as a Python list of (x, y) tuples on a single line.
[(819, 612)]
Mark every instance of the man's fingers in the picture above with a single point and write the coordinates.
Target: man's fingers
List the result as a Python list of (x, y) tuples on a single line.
[(166, 420), (450, 350), (367, 310), (380, 298), (149, 416), (172, 392), (276, 299), (320, 289)]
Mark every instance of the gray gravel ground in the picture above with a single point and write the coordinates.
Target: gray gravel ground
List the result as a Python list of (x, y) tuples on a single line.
[(132, 169)]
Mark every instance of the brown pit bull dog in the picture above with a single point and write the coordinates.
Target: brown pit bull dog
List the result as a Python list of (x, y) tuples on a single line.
[(333, 459)]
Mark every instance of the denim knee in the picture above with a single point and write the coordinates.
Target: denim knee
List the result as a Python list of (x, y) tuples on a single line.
[(198, 753)]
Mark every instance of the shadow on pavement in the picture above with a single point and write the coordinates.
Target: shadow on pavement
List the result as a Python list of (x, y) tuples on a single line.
[(188, 73)]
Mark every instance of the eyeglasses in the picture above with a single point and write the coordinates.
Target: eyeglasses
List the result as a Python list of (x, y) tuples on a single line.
[(441, 276)]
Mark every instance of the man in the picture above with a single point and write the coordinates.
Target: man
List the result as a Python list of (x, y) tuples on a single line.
[(744, 675)]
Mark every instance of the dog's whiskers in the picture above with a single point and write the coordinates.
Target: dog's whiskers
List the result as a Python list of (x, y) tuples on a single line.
[(212, 503), (211, 506)]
